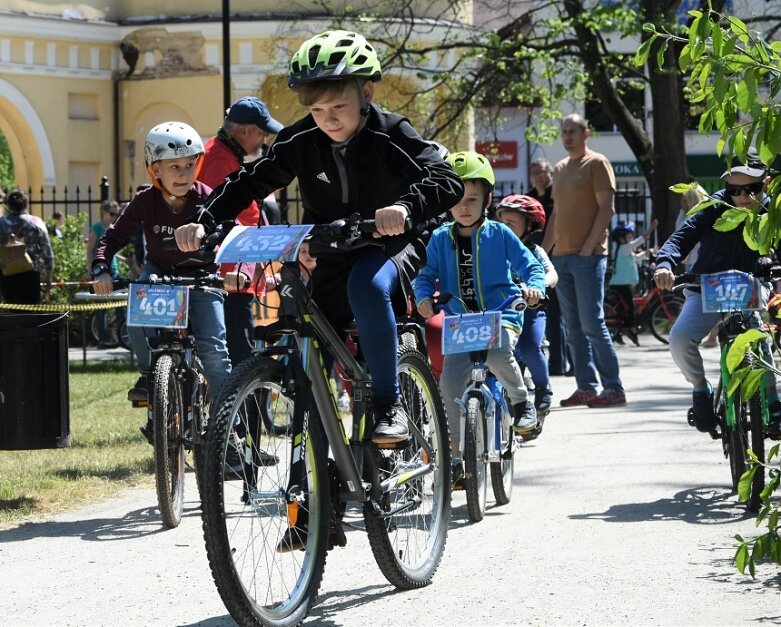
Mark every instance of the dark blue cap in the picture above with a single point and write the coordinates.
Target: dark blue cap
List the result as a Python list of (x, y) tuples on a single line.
[(251, 110)]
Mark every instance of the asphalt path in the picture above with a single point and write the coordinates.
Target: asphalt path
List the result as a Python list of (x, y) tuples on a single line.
[(619, 516)]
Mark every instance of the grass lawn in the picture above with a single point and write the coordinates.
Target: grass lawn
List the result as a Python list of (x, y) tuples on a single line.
[(107, 453)]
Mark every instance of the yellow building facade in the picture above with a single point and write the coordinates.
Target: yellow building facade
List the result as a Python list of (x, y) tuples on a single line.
[(82, 83)]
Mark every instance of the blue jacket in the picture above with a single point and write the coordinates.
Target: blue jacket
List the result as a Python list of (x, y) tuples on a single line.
[(719, 251), (497, 254)]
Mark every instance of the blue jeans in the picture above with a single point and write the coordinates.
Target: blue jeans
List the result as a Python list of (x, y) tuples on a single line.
[(207, 322), (529, 348), (581, 292)]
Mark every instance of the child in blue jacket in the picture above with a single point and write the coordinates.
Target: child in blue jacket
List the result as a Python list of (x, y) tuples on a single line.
[(474, 259)]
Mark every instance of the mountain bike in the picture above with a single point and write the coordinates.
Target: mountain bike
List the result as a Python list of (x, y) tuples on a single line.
[(267, 533), (741, 421), (115, 327), (488, 443), (178, 393)]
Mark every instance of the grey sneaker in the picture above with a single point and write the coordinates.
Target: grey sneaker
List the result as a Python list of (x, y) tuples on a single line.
[(390, 423), (525, 417)]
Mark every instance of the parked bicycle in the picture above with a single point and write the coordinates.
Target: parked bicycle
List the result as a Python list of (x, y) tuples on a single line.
[(655, 310), (487, 441), (741, 421), (268, 533), (178, 391)]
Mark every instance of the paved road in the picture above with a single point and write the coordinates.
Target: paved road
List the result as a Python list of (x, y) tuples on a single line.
[(620, 516)]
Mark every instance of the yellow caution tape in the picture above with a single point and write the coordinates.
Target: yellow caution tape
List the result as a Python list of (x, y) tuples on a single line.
[(65, 307)]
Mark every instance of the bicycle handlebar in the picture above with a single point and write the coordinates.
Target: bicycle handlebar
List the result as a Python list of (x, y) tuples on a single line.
[(515, 302), (768, 273)]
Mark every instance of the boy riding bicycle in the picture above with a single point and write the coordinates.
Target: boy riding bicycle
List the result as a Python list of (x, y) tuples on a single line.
[(172, 153), (350, 157), (719, 251), (476, 259)]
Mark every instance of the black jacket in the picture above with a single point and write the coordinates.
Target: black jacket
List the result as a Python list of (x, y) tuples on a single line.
[(385, 163), (718, 252)]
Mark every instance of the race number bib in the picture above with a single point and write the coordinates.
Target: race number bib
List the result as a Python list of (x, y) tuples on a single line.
[(262, 244), (471, 332), (731, 291), (160, 306)]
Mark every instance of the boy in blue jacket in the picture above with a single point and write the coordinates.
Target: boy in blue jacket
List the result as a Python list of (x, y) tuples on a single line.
[(474, 259)]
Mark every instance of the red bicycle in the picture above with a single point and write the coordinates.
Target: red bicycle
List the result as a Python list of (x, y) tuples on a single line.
[(655, 309)]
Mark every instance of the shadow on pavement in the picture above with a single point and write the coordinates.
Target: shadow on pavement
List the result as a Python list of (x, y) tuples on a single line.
[(709, 505), (135, 524), (214, 621), (331, 604)]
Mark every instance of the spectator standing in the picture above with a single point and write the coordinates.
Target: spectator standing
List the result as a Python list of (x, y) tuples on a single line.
[(559, 360), (24, 288), (241, 137), (56, 223), (583, 193)]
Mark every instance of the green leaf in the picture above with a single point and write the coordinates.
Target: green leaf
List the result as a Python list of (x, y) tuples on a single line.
[(731, 219), (751, 383), (741, 344), (736, 380), (641, 56), (741, 558), (744, 485), (685, 59), (682, 188), (660, 54), (700, 206)]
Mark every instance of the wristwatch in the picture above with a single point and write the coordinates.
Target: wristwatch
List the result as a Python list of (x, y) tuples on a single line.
[(98, 270)]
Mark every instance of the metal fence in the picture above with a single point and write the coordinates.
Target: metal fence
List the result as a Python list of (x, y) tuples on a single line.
[(633, 201)]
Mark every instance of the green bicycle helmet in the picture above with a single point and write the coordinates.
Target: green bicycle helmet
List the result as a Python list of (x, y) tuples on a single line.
[(334, 54), (470, 166)]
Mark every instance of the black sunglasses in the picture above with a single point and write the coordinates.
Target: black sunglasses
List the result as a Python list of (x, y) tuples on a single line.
[(750, 189)]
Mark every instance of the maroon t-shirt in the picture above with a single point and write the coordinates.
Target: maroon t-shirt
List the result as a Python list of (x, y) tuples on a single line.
[(148, 209)]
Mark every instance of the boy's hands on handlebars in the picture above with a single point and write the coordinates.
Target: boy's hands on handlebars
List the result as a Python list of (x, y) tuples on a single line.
[(664, 279), (532, 296), (426, 308), (390, 220), (189, 236)]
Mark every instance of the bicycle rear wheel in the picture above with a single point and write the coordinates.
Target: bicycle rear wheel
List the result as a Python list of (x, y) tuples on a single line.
[(408, 545), (249, 525), (662, 316), (502, 471), (475, 479), (168, 416)]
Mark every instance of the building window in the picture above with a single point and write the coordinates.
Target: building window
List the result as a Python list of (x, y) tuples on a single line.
[(82, 107)]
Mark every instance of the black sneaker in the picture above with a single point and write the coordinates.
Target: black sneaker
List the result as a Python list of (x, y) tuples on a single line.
[(234, 460), (525, 417), (542, 400), (633, 336), (702, 414), (390, 423), (138, 392), (773, 428)]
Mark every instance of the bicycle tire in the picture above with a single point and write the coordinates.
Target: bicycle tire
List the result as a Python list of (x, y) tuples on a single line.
[(736, 441), (503, 470), (661, 321), (610, 313), (245, 521), (169, 448), (201, 407), (111, 338), (408, 546), (123, 336), (475, 471), (756, 434)]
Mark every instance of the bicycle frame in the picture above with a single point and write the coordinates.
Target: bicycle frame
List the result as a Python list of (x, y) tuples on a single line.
[(487, 389), (306, 360)]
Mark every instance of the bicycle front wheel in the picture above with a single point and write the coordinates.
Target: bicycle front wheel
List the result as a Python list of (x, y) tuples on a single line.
[(169, 441), (475, 480), (736, 441), (265, 531), (663, 315), (756, 435), (408, 545), (502, 471)]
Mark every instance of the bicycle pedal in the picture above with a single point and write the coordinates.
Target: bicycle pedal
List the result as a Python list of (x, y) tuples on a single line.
[(139, 404)]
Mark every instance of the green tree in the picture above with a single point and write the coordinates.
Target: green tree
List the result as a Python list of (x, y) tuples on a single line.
[(735, 73), (7, 176), (537, 55)]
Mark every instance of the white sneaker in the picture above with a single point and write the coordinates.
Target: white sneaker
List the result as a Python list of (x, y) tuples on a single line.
[(344, 401)]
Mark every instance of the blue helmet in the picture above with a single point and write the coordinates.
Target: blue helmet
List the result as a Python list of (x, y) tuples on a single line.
[(622, 229)]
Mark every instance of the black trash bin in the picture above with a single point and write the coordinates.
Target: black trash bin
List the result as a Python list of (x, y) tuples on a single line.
[(34, 398)]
